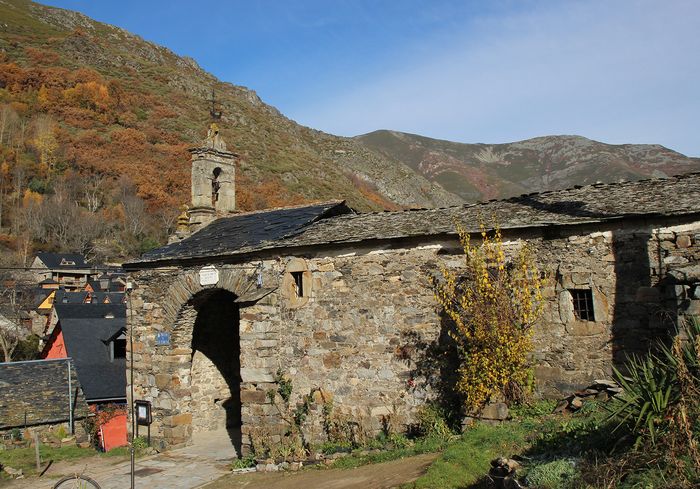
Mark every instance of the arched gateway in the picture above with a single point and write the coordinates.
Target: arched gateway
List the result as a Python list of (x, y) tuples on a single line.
[(187, 363)]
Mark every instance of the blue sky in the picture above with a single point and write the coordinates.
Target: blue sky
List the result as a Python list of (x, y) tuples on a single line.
[(622, 71)]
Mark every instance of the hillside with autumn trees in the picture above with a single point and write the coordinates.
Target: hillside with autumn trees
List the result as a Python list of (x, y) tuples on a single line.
[(95, 124)]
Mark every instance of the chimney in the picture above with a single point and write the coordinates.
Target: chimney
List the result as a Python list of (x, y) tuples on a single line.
[(213, 180)]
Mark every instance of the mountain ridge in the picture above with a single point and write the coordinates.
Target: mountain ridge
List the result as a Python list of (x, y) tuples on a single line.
[(482, 171)]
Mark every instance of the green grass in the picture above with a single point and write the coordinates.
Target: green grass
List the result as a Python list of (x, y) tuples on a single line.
[(466, 461), (23, 458), (423, 445), (557, 474), (559, 452)]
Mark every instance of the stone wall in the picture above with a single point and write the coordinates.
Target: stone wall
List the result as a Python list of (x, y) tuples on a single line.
[(361, 324), (36, 393), (677, 272)]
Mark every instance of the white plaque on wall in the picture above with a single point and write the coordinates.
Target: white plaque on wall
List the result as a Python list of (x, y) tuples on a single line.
[(208, 275)]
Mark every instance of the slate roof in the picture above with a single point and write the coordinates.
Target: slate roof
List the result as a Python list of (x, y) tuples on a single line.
[(65, 297), (39, 295), (39, 389), (112, 285), (87, 343), (582, 204), (251, 230), (56, 261), (89, 311)]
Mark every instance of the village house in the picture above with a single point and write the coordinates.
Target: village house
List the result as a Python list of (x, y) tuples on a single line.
[(69, 270), (93, 336), (83, 326), (341, 301)]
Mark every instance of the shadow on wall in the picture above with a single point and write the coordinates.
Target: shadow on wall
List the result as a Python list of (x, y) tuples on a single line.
[(638, 317), (216, 337), (434, 365)]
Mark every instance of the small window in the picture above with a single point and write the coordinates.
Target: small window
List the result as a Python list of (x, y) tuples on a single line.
[(298, 283), (119, 348), (583, 304)]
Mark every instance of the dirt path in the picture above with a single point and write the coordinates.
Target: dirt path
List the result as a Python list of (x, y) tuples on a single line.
[(377, 476)]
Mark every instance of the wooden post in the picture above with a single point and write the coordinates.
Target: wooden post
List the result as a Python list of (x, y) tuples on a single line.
[(36, 451)]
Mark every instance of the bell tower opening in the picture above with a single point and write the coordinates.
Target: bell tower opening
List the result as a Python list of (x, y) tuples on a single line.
[(215, 186)]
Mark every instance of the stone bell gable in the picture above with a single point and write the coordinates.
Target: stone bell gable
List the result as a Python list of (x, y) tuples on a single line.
[(213, 180)]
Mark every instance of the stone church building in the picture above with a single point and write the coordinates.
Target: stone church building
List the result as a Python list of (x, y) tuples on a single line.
[(340, 301)]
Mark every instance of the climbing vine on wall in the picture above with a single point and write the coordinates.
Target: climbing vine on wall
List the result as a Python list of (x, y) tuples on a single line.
[(493, 302)]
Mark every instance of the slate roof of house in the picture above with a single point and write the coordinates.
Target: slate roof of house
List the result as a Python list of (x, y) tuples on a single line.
[(65, 297), (582, 204), (39, 389), (39, 295), (90, 311), (63, 261), (112, 285), (87, 343), (113, 297)]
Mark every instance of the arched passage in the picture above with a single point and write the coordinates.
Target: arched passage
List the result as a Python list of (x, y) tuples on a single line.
[(215, 371), (208, 395)]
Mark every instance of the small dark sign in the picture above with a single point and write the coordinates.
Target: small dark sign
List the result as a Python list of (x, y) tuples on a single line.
[(143, 413), (162, 339)]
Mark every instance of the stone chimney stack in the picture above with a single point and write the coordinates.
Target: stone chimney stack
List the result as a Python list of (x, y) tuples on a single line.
[(213, 180)]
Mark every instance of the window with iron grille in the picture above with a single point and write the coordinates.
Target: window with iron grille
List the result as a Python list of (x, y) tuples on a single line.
[(583, 304)]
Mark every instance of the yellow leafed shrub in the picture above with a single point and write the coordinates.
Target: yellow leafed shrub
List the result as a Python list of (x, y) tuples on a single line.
[(494, 302)]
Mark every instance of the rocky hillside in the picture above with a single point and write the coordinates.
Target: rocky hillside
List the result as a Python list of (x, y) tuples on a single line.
[(91, 98), (122, 105), (487, 171)]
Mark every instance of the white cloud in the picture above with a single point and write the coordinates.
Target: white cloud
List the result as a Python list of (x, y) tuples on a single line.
[(622, 71)]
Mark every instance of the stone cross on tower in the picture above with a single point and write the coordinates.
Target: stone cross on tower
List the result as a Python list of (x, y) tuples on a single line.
[(213, 180)]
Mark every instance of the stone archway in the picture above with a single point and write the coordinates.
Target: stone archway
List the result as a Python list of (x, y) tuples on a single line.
[(198, 373)]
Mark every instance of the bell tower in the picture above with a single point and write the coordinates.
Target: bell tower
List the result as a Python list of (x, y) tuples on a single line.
[(213, 180)]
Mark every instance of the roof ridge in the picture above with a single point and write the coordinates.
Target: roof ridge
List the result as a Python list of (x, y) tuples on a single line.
[(514, 198), (281, 208)]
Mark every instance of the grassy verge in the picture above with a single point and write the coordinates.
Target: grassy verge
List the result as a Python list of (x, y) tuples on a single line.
[(421, 445), (466, 461), (23, 458), (558, 452)]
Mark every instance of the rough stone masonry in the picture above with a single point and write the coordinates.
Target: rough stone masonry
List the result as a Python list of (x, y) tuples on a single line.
[(341, 303)]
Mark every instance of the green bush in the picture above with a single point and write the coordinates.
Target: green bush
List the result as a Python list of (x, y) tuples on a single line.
[(398, 440), (431, 422), (557, 474), (140, 443), (243, 463)]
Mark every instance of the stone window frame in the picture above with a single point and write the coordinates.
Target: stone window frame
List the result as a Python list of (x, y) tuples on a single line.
[(296, 269), (298, 283), (568, 280)]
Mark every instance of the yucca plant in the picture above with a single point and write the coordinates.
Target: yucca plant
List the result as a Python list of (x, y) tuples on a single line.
[(650, 390), (683, 356)]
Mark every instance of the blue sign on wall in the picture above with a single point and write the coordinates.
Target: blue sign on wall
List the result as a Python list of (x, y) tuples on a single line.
[(162, 339)]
